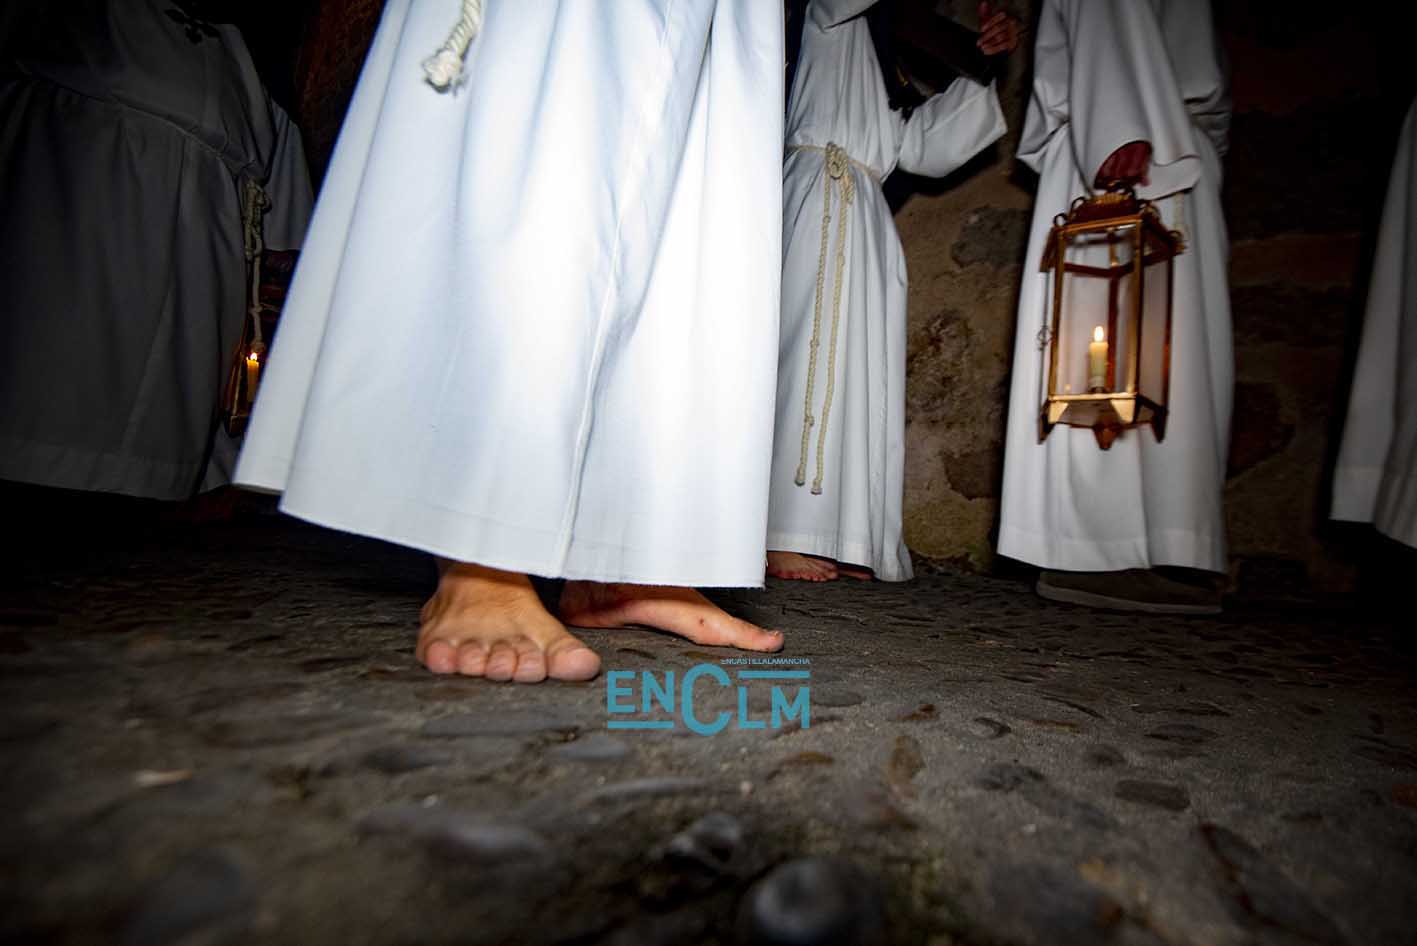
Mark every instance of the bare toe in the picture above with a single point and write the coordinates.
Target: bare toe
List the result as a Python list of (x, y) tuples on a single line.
[(501, 662), (440, 656), (575, 661), (531, 662), (472, 658)]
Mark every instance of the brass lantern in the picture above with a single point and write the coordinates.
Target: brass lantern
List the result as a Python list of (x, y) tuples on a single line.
[(1109, 336)]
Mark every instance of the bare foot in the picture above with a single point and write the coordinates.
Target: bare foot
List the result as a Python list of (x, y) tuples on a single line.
[(801, 567), (681, 611), (482, 622), (859, 572)]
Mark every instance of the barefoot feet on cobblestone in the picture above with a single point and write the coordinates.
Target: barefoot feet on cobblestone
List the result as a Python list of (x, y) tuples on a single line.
[(800, 567), (681, 611), (482, 622)]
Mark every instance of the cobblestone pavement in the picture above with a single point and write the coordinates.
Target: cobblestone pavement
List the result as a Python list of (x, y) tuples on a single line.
[(219, 735)]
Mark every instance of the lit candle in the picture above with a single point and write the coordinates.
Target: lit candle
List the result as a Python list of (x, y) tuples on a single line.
[(1097, 361), (253, 375)]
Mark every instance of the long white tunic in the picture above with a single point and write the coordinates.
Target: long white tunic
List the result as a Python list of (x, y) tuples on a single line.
[(1376, 476), (123, 145), (1108, 72), (535, 321), (853, 447)]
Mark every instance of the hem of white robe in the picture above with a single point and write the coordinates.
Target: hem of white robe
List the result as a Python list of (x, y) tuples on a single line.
[(1179, 548), (1355, 499), (493, 544), (1355, 493), (96, 471), (1406, 533), (839, 550)]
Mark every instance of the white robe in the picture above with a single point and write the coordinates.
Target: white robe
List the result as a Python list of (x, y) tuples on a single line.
[(838, 98), (1376, 477), (123, 144), (1108, 72), (535, 321)]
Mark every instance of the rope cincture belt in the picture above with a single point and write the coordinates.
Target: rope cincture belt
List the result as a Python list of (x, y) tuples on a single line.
[(838, 173)]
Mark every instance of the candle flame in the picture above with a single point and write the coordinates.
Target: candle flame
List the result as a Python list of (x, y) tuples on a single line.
[(1098, 335), (254, 358)]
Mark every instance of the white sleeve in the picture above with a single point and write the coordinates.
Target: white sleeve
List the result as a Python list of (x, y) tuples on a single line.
[(288, 186), (1122, 88), (950, 128)]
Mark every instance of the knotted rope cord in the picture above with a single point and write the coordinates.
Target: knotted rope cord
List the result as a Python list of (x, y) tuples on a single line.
[(838, 172), (254, 204), (807, 420), (444, 68), (848, 192)]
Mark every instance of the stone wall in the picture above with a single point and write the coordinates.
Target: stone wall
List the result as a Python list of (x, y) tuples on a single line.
[(964, 240), (337, 36), (1315, 118)]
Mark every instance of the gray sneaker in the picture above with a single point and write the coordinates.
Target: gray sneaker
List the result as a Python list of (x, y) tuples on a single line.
[(1136, 589)]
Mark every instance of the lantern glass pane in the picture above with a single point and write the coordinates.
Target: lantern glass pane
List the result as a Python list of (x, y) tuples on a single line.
[(1129, 288), (1099, 292), (1155, 333)]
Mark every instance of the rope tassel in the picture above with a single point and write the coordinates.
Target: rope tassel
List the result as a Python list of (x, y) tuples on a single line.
[(444, 69)]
